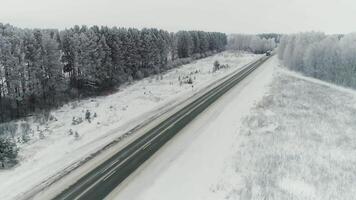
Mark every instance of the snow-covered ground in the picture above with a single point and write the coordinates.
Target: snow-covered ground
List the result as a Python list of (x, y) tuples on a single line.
[(279, 135), (57, 143)]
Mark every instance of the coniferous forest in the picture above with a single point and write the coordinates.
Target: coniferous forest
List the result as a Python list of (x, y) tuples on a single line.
[(43, 68)]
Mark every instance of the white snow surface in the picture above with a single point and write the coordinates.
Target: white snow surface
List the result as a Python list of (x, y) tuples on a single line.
[(51, 148), (278, 135)]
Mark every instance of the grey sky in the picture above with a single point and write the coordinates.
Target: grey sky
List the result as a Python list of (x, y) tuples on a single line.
[(230, 16)]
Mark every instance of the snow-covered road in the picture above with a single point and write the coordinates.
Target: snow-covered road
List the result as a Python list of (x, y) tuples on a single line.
[(189, 165)]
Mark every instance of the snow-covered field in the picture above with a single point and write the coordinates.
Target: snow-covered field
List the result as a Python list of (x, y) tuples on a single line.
[(298, 143), (277, 136), (57, 143)]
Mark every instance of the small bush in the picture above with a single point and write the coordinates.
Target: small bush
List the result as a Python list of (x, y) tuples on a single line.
[(8, 153), (186, 80), (8, 129), (88, 116), (190, 80), (76, 121), (26, 131), (216, 66), (76, 135), (41, 135), (216, 63)]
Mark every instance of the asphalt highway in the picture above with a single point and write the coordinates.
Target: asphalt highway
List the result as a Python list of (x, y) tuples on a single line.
[(98, 183)]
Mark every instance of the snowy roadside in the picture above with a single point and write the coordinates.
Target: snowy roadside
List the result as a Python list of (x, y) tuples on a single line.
[(296, 142), (52, 147), (301, 141)]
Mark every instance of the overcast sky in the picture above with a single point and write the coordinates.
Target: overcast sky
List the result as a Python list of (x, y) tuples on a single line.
[(230, 16)]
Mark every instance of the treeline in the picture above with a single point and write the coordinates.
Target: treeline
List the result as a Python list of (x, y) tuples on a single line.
[(327, 57), (275, 36), (252, 43), (41, 69)]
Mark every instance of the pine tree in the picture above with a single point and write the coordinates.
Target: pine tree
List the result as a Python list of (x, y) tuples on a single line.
[(41, 69), (53, 80), (185, 44)]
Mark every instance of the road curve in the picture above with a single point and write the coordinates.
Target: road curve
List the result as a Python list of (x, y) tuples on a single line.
[(98, 183)]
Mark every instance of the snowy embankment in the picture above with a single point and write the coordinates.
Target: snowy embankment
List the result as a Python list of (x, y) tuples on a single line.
[(67, 137), (283, 136)]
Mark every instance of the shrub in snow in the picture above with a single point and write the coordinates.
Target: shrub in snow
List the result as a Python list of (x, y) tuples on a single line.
[(52, 118), (41, 135), (8, 129), (26, 128), (186, 80), (43, 117), (24, 139), (74, 104), (87, 116), (76, 135), (26, 131), (218, 66), (76, 121), (8, 153), (224, 66), (46, 116), (190, 80)]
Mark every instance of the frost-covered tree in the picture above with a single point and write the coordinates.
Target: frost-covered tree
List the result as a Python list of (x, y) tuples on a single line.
[(327, 57), (250, 43)]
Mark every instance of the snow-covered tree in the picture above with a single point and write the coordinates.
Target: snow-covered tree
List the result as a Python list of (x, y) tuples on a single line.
[(328, 57), (43, 68), (250, 43)]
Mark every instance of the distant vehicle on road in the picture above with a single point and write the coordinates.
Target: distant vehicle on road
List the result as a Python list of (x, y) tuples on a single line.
[(268, 53)]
